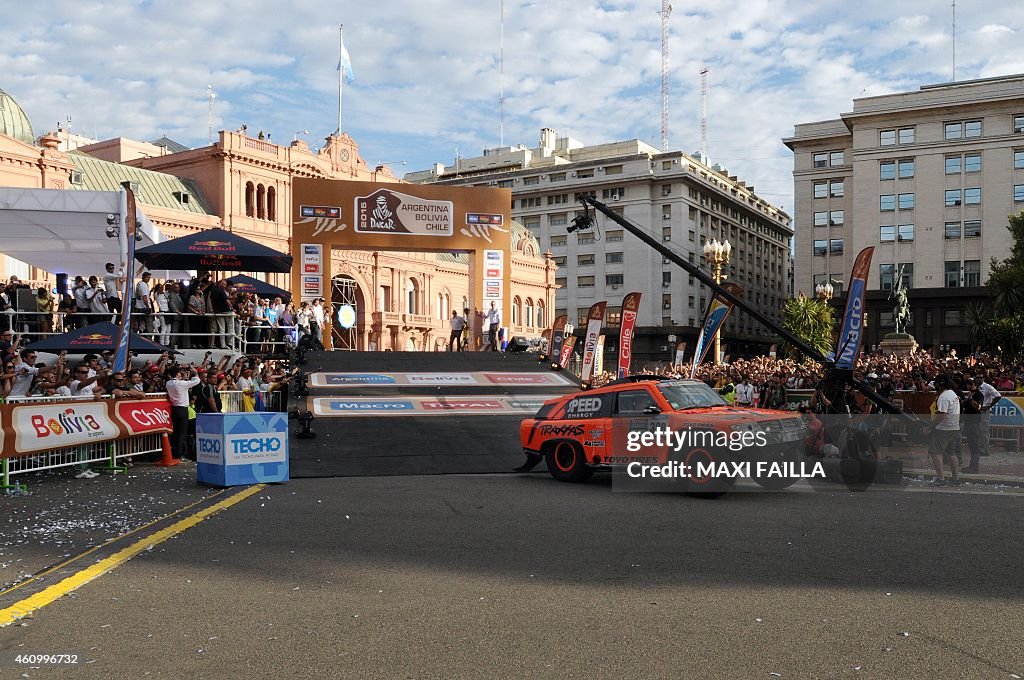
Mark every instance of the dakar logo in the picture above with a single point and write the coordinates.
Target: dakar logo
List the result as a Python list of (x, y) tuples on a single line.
[(67, 422)]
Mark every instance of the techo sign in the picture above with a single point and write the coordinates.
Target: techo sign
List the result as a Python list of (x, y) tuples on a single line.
[(261, 447)]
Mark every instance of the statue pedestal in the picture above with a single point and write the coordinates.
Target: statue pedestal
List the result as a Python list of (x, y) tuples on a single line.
[(900, 344)]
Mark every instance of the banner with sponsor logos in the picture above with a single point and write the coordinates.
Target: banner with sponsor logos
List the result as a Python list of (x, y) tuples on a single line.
[(630, 307), (476, 405), (128, 285), (437, 379), (714, 319), (312, 259), (31, 427), (567, 348), (595, 317), (852, 333), (557, 336)]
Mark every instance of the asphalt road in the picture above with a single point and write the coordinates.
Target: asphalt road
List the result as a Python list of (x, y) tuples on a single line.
[(520, 576)]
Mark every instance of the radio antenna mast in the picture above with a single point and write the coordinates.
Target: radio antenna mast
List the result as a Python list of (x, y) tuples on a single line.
[(501, 79), (704, 113), (954, 41), (666, 10)]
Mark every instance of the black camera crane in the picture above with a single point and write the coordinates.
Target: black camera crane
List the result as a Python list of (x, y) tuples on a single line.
[(836, 380)]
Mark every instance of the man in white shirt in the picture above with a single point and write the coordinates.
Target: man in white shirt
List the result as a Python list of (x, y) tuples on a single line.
[(494, 323), (81, 302), (95, 298), (179, 381), (945, 432), (24, 373), (112, 281), (992, 396), (745, 392), (455, 338), (143, 305)]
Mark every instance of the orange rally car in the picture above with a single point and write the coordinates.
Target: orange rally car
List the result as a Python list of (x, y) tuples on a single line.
[(605, 428)]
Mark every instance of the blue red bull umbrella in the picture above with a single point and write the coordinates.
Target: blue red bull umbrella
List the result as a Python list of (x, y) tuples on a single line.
[(96, 338), (214, 250)]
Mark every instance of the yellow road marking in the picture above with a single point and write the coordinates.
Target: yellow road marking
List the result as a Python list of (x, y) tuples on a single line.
[(58, 590)]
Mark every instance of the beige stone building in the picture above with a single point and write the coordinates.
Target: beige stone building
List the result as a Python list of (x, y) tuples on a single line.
[(928, 178), (243, 183), (675, 196)]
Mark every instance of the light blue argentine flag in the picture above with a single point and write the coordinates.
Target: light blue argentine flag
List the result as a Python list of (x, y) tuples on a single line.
[(345, 63)]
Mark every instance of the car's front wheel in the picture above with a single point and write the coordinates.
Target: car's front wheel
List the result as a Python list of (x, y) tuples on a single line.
[(567, 463), (699, 482)]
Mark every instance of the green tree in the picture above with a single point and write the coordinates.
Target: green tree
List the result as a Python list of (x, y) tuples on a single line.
[(1003, 331), (810, 320)]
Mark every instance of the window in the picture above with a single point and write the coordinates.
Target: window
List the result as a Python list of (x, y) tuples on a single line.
[(887, 202), (952, 317), (271, 204), (531, 222), (261, 201), (820, 247), (906, 201), (953, 130), (821, 189), (556, 177), (666, 279), (250, 199), (821, 160), (666, 301), (887, 170), (557, 241), (584, 260), (585, 281), (906, 135), (516, 311), (561, 281), (952, 274), (559, 261), (972, 228), (582, 314), (820, 219), (530, 181), (885, 319), (952, 165), (952, 197), (666, 212), (1018, 124), (412, 297), (613, 316), (972, 128), (585, 239), (691, 235), (1018, 192), (613, 170), (613, 258), (972, 196), (887, 137), (558, 199), (887, 233), (558, 219), (613, 279), (972, 162), (666, 189), (1018, 159), (886, 272), (908, 275), (613, 236), (906, 168), (906, 232), (835, 158), (614, 194), (972, 273), (952, 230), (835, 246), (666, 233), (835, 218), (835, 189)]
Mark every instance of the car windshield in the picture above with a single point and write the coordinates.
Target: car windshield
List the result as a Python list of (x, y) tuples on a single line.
[(685, 395)]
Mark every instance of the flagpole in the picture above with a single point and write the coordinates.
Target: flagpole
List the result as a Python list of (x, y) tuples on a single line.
[(341, 73)]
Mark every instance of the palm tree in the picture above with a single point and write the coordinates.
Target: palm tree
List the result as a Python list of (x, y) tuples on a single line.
[(810, 320)]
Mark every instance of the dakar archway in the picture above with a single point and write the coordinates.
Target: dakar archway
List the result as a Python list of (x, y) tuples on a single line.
[(334, 214)]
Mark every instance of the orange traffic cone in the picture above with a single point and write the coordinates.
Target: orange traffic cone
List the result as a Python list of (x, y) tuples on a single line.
[(166, 459)]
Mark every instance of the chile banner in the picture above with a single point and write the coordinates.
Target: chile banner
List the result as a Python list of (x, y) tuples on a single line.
[(852, 333), (630, 305), (718, 310), (557, 336), (128, 228), (594, 320), (567, 347)]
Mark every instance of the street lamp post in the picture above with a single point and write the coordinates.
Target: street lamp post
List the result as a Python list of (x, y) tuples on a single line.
[(824, 292), (717, 255)]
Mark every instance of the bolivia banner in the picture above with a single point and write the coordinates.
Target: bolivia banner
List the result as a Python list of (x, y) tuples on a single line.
[(594, 320), (852, 333), (557, 336), (718, 310), (567, 347), (128, 289), (630, 305)]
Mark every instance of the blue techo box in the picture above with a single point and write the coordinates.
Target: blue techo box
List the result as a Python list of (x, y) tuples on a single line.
[(241, 448)]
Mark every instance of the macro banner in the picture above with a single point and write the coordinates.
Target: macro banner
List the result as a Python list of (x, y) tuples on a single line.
[(594, 320), (852, 334), (718, 311), (34, 426), (630, 306)]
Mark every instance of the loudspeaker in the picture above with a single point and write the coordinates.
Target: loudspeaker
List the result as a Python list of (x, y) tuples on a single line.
[(517, 344), (62, 284), (26, 300)]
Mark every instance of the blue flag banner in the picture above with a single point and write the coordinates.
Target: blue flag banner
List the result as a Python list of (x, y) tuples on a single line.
[(718, 310), (345, 62), (852, 333), (129, 225)]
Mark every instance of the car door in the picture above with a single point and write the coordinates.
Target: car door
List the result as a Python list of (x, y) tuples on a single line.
[(632, 417)]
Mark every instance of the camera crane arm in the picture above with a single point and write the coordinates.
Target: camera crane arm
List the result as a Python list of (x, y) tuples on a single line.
[(586, 221)]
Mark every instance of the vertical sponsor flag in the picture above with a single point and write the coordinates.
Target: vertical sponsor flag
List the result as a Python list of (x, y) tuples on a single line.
[(594, 320), (567, 347), (718, 310), (129, 226), (599, 357), (852, 333), (680, 353), (630, 306), (557, 336)]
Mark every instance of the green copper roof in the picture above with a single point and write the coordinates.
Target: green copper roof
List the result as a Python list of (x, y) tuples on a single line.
[(155, 188), (13, 121)]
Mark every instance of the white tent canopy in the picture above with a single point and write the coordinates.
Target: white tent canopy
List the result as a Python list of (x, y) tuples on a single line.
[(66, 231)]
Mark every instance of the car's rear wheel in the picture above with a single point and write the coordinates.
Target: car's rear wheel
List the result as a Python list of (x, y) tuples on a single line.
[(566, 462), (706, 485)]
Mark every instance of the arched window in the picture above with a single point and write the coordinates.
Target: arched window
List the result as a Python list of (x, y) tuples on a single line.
[(465, 303), (529, 312), (516, 311), (447, 306), (440, 307), (540, 314), (412, 297), (250, 199), (272, 204), (261, 202)]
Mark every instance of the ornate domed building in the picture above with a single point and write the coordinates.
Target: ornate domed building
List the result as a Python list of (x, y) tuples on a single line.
[(14, 123)]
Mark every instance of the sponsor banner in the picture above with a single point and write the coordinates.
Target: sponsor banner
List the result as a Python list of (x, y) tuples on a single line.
[(253, 448), (599, 357), (1009, 412), (312, 287), (492, 289), (718, 311), (329, 212), (435, 379), (557, 336), (41, 427), (490, 219), (128, 286), (680, 353), (389, 212), (485, 405), (494, 264), (630, 307), (567, 347), (312, 258), (209, 448), (142, 417), (852, 333), (594, 320)]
